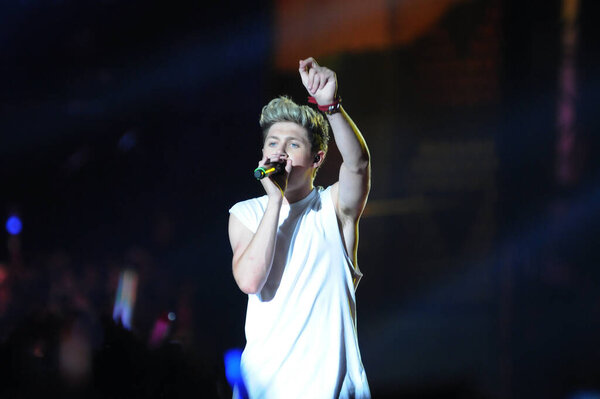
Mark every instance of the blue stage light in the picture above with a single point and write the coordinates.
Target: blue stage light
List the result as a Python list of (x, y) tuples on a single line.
[(232, 366), (14, 225), (233, 373)]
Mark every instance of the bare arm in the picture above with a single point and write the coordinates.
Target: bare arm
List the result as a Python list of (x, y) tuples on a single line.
[(355, 171), (352, 189), (253, 252)]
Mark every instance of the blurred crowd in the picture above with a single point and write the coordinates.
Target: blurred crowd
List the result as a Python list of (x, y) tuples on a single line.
[(59, 336)]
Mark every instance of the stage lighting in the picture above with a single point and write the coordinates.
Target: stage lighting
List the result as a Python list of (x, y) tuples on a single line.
[(233, 373), (14, 225)]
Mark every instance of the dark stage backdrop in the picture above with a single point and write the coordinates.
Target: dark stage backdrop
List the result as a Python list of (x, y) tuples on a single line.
[(128, 129)]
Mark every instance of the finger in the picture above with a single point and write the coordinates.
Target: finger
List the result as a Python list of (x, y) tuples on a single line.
[(317, 81), (303, 64), (312, 61), (307, 63), (303, 69), (263, 161), (326, 76), (311, 77), (288, 166), (323, 82), (269, 159), (276, 158)]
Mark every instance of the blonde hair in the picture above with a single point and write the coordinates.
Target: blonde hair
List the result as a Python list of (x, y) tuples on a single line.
[(283, 109)]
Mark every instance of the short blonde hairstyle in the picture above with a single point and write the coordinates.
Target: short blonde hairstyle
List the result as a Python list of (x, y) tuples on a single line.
[(283, 109)]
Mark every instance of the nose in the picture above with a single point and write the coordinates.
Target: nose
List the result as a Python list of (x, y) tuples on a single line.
[(281, 149)]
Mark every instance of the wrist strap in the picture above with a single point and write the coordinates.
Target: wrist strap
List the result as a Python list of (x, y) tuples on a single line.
[(328, 109)]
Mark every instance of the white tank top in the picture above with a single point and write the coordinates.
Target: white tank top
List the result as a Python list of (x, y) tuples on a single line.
[(301, 337)]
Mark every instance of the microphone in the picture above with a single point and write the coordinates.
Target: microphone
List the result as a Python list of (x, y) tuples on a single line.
[(268, 170)]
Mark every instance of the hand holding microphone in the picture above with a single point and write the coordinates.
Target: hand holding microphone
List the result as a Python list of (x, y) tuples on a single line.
[(268, 170), (272, 165), (275, 166)]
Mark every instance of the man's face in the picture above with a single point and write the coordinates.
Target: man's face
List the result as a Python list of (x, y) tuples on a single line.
[(288, 139)]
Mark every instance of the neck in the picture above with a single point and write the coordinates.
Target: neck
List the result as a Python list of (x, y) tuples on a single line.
[(292, 196)]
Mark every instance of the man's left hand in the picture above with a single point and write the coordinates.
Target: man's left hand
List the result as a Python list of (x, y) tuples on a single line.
[(320, 82)]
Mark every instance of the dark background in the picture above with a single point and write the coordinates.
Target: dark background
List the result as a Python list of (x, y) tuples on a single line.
[(128, 129)]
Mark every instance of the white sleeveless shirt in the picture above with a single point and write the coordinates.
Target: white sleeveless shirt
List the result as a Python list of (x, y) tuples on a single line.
[(301, 337)]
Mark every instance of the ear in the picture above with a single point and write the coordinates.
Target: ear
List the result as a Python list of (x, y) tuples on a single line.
[(319, 159)]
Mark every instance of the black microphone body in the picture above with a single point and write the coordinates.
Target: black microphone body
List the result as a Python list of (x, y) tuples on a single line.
[(267, 170)]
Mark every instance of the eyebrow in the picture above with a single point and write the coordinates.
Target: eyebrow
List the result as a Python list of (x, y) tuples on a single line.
[(302, 140)]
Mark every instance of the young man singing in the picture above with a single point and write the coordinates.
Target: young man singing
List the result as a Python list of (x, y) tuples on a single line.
[(294, 251)]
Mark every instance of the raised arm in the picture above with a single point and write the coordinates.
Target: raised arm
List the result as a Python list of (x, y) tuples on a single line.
[(351, 191)]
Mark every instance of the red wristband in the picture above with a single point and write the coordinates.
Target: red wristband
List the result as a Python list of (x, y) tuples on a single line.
[(329, 109)]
